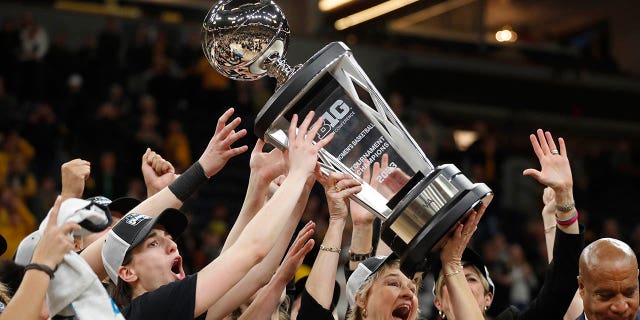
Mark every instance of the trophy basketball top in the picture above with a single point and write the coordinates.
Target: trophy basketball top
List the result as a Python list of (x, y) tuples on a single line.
[(246, 39)]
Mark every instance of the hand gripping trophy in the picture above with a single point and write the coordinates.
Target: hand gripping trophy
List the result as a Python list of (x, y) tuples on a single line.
[(417, 202)]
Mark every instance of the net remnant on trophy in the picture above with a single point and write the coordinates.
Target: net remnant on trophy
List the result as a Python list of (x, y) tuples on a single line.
[(246, 40)]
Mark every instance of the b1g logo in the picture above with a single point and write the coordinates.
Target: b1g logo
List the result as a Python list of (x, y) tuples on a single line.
[(135, 218), (332, 117)]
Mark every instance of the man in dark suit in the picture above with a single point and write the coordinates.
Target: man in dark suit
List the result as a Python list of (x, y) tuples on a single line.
[(608, 281)]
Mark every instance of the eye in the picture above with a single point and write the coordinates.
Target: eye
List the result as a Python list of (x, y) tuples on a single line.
[(153, 244), (394, 283)]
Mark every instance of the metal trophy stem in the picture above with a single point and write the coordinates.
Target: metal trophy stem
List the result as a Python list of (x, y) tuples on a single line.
[(417, 202)]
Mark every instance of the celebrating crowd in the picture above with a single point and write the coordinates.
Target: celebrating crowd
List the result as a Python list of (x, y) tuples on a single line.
[(104, 246)]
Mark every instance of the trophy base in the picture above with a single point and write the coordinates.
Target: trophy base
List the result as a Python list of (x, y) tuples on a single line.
[(426, 215)]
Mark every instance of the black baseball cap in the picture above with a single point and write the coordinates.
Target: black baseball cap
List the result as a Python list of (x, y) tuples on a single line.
[(133, 230)]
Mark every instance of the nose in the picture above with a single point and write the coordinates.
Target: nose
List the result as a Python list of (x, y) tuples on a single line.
[(171, 246), (407, 291), (620, 305)]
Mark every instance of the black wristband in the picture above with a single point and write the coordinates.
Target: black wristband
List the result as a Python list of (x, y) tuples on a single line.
[(188, 182), (40, 267)]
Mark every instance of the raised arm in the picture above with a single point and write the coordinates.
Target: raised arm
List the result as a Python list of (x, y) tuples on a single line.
[(555, 173), (54, 244), (74, 174), (268, 298), (157, 172), (214, 157), (265, 167), (263, 230), (338, 187), (462, 302)]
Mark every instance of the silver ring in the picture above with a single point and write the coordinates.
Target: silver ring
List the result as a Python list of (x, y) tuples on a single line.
[(555, 151)]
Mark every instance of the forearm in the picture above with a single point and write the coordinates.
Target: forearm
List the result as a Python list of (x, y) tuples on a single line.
[(321, 281), (267, 301), (549, 224), (463, 303), (252, 245), (253, 201), (261, 273), (361, 241), (28, 300)]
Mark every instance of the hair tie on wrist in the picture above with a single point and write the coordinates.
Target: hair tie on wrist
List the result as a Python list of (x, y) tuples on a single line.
[(41, 267), (569, 221)]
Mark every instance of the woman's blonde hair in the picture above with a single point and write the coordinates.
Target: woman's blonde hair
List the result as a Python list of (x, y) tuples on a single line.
[(363, 292), (440, 281)]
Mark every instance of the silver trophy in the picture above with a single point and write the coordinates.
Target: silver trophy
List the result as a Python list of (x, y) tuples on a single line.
[(417, 203)]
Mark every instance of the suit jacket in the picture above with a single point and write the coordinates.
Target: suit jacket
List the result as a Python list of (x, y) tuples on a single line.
[(581, 317), (559, 285)]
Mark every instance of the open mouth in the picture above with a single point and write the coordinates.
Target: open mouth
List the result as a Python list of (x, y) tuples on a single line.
[(402, 312), (176, 268)]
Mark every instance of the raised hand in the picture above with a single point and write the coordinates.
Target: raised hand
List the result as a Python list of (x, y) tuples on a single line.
[(74, 174), (555, 171), (219, 149), (457, 241), (296, 253), (157, 172), (302, 153), (56, 240), (268, 165), (338, 187)]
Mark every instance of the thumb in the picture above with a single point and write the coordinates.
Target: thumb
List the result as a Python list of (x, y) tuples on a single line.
[(532, 173)]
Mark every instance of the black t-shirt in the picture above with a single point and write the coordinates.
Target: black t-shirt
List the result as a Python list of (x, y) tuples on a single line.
[(175, 300), (310, 309)]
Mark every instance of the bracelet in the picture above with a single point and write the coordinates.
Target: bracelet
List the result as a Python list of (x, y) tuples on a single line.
[(569, 221), (188, 182), (357, 257), (447, 275), (565, 207), (41, 267), (330, 249), (549, 229)]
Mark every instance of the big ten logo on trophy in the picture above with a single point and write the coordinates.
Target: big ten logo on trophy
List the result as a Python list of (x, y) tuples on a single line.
[(332, 117)]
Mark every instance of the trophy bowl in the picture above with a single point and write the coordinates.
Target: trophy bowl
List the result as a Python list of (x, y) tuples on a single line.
[(238, 35)]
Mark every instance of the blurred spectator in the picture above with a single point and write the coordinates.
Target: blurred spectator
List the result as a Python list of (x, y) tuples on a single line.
[(44, 199), (107, 180), (43, 130), (8, 107), (58, 66), (522, 278), (176, 146), (16, 221), (20, 180), (34, 43), (9, 49)]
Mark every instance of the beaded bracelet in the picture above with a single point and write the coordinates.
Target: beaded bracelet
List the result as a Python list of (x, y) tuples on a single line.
[(330, 249), (569, 221), (450, 274)]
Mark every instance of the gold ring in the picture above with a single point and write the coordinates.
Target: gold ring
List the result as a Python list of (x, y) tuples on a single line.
[(465, 234), (555, 151), (337, 188)]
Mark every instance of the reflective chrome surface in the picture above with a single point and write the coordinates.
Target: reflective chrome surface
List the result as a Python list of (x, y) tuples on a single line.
[(422, 209), (238, 35)]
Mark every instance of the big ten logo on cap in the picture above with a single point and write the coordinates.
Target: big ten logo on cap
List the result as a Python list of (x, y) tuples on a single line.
[(332, 117), (135, 218)]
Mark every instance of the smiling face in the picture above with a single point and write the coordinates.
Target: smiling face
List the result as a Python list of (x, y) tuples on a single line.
[(610, 291), (477, 284), (392, 296), (155, 262)]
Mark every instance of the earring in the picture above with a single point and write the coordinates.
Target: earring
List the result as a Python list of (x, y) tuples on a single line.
[(486, 308), (442, 315), (364, 313)]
